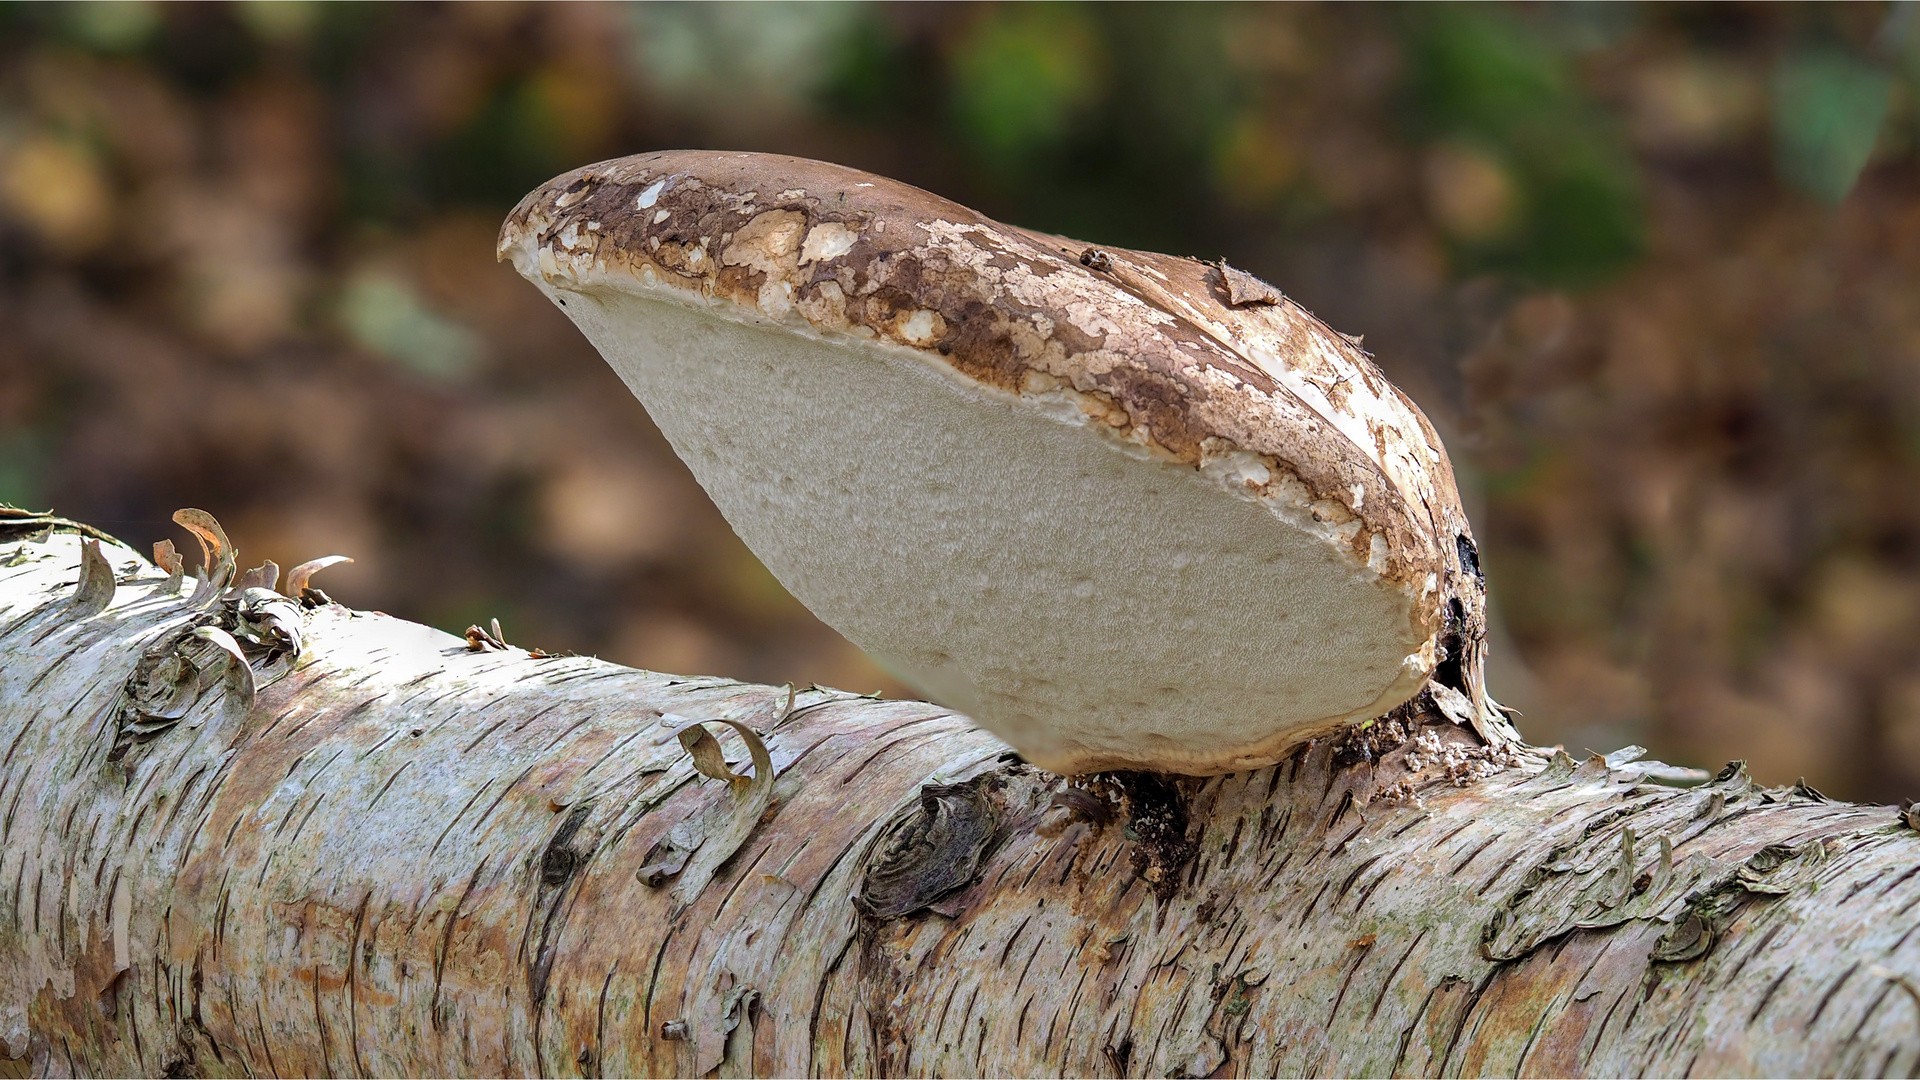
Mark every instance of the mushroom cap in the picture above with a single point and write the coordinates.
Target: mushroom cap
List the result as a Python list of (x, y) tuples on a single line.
[(1126, 510)]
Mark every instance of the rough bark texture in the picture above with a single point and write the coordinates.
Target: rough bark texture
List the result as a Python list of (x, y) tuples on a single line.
[(381, 850)]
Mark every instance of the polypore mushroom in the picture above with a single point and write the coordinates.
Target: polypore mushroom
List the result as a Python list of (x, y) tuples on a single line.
[(1128, 511)]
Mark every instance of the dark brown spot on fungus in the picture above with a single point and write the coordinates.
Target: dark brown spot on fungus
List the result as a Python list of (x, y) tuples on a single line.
[(1097, 260)]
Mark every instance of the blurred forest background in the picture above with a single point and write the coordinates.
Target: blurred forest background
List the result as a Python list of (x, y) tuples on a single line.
[(1654, 271)]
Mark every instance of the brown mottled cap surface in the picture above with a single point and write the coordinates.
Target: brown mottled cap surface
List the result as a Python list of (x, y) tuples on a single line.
[(1194, 366)]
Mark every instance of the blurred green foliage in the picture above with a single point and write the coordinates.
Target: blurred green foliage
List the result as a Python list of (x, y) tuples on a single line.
[(1828, 109), (1024, 78), (384, 313), (21, 466), (1483, 77)]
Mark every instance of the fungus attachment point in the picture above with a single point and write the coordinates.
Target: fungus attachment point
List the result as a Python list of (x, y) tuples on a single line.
[(1128, 511)]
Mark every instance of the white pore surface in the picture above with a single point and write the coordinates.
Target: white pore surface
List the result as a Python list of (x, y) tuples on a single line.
[(1084, 604)]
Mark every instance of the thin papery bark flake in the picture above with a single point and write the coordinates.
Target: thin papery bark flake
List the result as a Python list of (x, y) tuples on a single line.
[(387, 854)]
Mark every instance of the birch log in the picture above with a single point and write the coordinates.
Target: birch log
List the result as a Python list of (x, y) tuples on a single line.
[(377, 849)]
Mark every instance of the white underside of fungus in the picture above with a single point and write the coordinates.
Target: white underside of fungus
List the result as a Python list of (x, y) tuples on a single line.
[(1091, 605)]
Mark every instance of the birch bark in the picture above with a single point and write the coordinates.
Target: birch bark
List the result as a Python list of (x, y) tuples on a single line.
[(378, 849)]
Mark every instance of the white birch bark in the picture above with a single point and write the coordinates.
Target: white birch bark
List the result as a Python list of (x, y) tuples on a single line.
[(385, 852)]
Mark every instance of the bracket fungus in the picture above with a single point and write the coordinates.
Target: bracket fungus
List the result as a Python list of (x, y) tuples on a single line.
[(1127, 510)]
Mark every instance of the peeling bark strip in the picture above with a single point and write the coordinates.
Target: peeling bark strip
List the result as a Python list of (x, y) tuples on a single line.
[(406, 857)]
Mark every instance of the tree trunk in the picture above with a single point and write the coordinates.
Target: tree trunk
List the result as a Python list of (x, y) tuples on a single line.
[(377, 849)]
